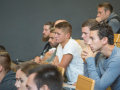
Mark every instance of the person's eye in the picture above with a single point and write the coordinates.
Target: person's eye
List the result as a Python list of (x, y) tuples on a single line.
[(21, 81)]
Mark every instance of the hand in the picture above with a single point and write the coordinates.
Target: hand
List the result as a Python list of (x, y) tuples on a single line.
[(87, 52), (55, 61), (37, 59), (98, 19)]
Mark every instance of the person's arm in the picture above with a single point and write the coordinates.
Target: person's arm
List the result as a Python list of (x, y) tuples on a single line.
[(109, 76), (47, 55), (66, 59), (114, 24), (51, 58)]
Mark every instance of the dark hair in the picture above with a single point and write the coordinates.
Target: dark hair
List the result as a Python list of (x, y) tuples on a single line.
[(89, 23), (5, 61), (104, 30), (2, 48), (47, 75), (107, 6), (67, 28), (51, 24)]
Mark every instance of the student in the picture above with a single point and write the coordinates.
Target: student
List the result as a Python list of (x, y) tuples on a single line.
[(7, 76), (22, 75), (45, 77), (46, 32), (107, 71), (68, 52), (106, 14)]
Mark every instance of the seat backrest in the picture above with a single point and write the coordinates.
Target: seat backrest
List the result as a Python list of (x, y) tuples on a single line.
[(117, 40), (81, 43), (84, 83), (61, 69), (108, 88)]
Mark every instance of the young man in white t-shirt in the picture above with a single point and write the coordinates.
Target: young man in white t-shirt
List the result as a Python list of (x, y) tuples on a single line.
[(68, 53)]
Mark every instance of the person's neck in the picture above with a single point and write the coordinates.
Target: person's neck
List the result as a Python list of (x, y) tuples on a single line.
[(64, 43), (107, 50), (2, 75)]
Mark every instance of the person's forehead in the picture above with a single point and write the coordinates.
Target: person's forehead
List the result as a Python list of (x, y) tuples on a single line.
[(18, 73), (31, 78), (46, 26), (52, 34), (93, 33), (22, 74), (100, 8), (85, 29)]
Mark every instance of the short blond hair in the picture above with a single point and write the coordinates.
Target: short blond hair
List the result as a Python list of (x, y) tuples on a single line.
[(52, 30)]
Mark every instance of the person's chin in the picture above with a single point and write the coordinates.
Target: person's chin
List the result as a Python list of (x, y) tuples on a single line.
[(18, 89)]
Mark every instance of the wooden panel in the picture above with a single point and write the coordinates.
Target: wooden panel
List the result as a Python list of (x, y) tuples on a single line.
[(117, 40), (81, 43), (116, 37), (84, 83), (61, 69), (108, 88)]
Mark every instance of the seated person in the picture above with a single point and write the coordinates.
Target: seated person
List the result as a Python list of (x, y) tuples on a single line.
[(46, 31), (7, 76), (18, 70), (22, 75), (68, 52), (106, 14), (53, 43), (44, 77), (107, 72), (49, 56)]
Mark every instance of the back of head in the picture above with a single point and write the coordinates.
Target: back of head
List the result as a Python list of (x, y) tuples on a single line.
[(104, 30), (51, 24), (89, 23), (107, 6), (5, 61), (65, 27), (2, 48), (48, 75)]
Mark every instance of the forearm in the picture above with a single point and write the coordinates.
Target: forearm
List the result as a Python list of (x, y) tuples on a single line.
[(109, 76)]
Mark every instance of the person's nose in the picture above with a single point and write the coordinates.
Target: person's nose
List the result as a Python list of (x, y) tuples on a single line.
[(17, 84), (89, 42), (83, 36)]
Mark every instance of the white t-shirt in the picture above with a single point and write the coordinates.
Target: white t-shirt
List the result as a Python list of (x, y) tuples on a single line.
[(75, 67)]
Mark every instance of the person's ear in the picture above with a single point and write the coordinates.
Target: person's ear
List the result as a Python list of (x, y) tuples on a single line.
[(105, 40), (44, 87), (107, 12), (1, 68), (68, 35)]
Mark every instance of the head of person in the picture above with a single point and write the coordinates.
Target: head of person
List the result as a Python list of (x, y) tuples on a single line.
[(52, 39), (2, 48), (46, 30), (18, 71), (45, 77), (5, 63), (58, 21), (101, 35), (63, 31), (104, 10), (86, 29)]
